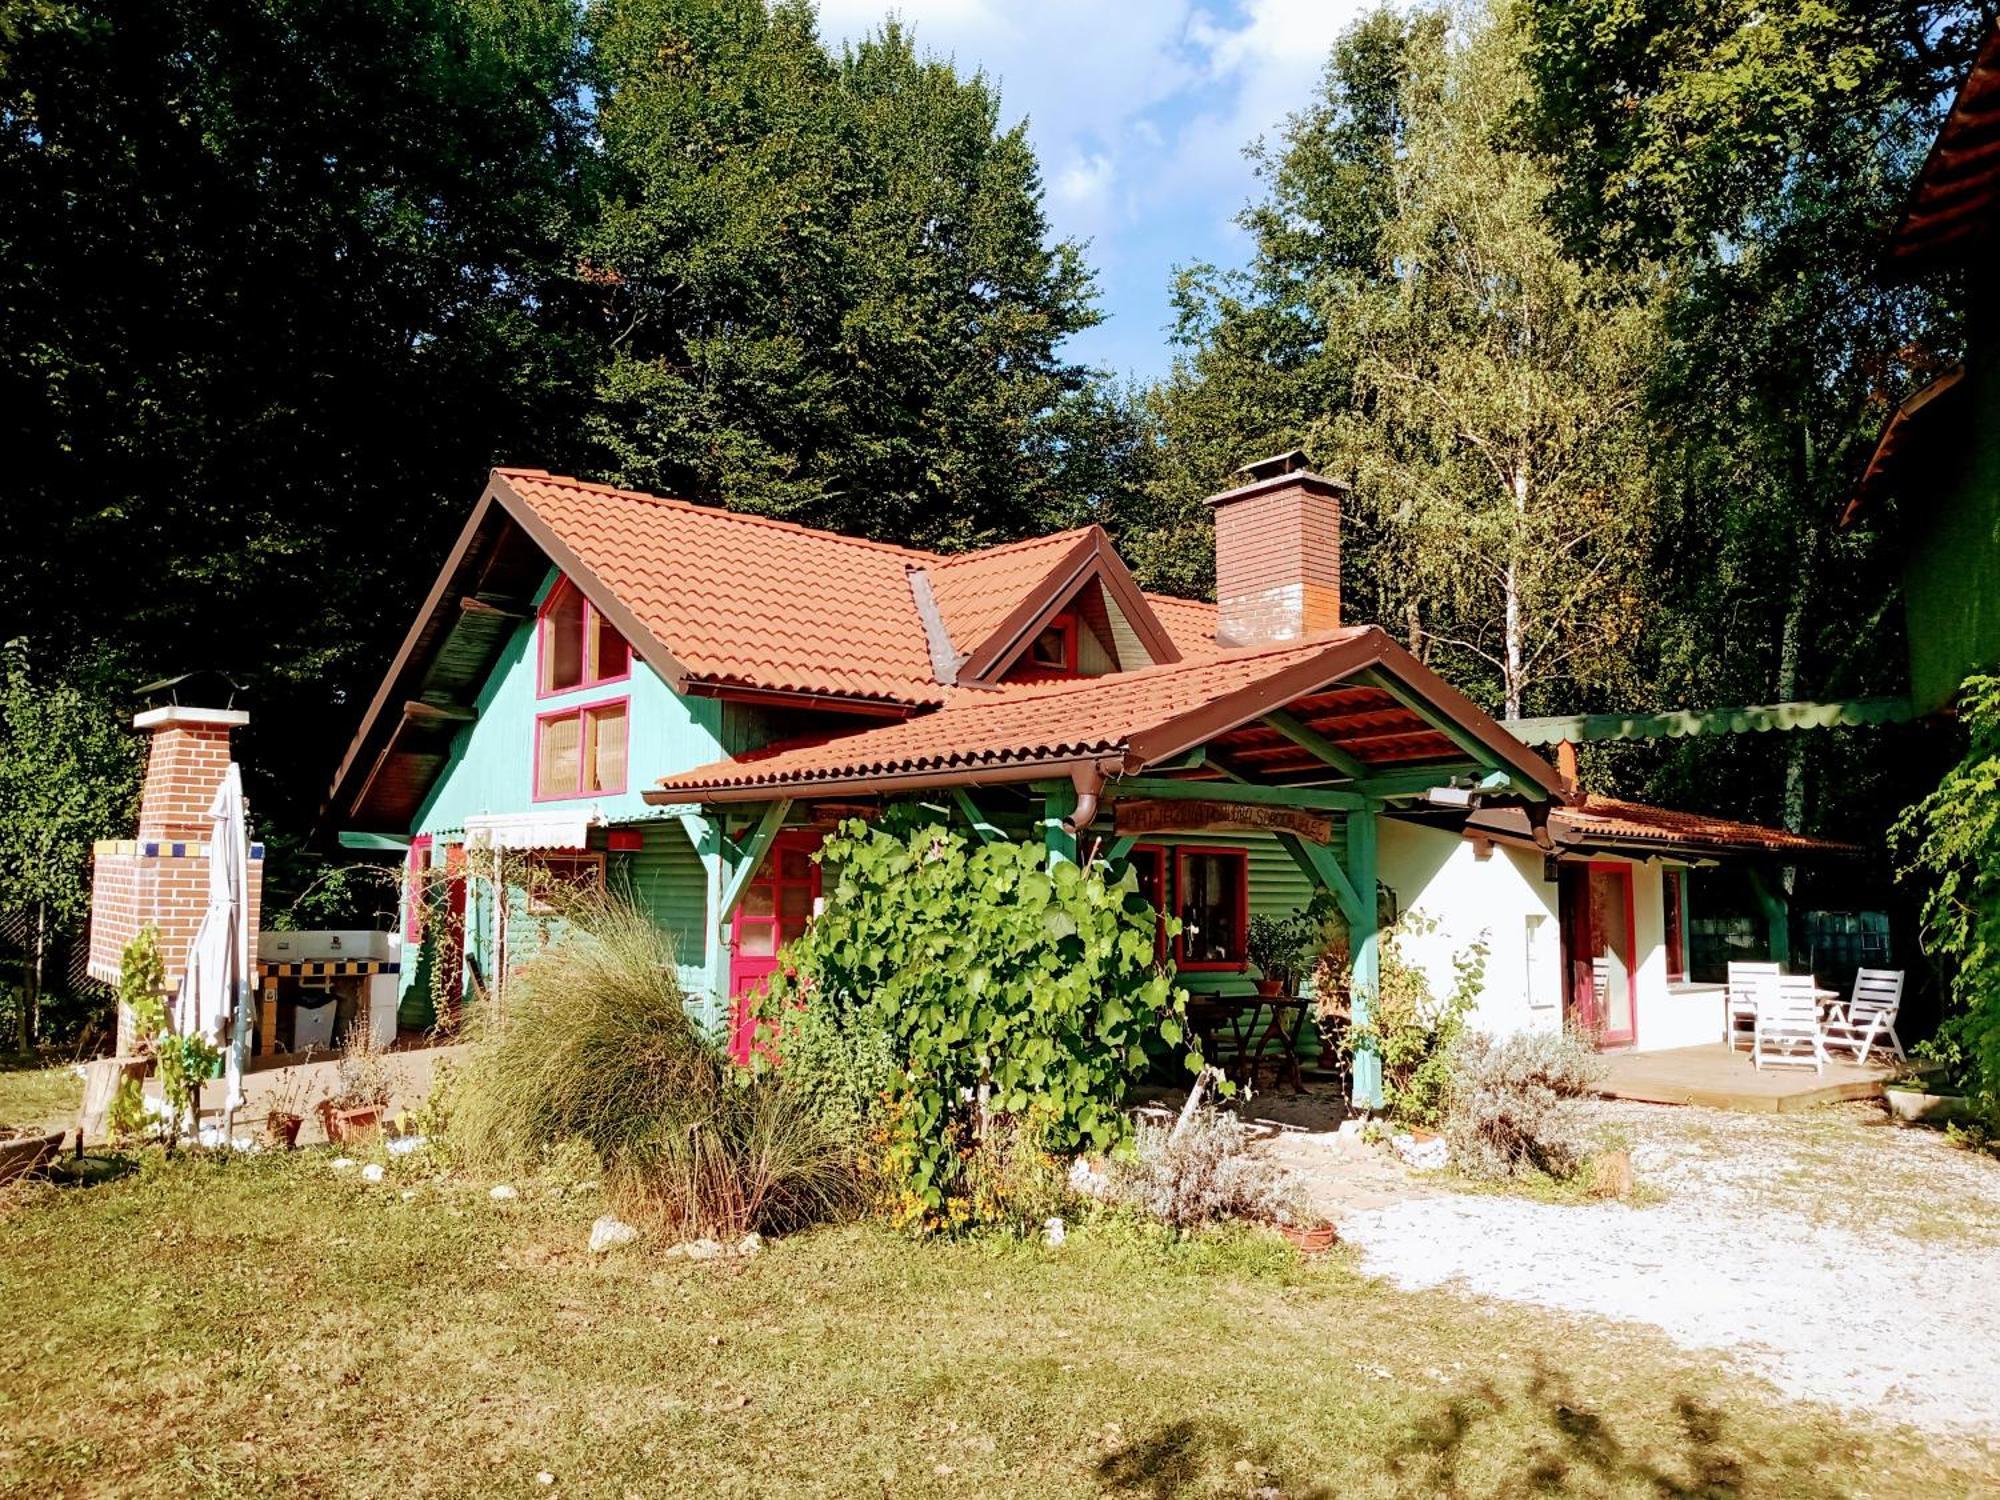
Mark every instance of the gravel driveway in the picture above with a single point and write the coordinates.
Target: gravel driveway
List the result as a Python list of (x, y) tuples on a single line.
[(1847, 1261)]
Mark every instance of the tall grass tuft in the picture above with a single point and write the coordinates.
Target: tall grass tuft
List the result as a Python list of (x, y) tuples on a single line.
[(594, 1043)]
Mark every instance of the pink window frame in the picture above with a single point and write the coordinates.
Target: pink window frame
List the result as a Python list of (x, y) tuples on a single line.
[(592, 618), (576, 711), (593, 857), (1232, 966)]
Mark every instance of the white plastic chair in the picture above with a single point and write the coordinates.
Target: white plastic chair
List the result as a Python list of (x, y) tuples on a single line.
[(1788, 1024), (1869, 1018), (1746, 982)]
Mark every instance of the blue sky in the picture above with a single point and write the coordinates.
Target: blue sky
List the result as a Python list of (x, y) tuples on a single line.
[(1139, 110)]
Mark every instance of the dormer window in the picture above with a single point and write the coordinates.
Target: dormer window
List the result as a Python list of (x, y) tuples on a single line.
[(1053, 653), (579, 647)]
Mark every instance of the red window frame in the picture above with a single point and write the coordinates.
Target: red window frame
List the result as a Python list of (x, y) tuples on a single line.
[(416, 865), (1029, 668), (594, 624), (1241, 857), (568, 866), (1163, 868), (585, 743)]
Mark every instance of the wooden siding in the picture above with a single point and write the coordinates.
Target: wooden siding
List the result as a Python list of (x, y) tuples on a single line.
[(1950, 599), (667, 880)]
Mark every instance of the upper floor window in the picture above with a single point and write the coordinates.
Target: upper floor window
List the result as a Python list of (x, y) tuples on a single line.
[(579, 647), (1053, 652), (580, 752)]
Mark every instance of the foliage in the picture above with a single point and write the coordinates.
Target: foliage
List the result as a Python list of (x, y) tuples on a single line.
[(595, 1044), (1011, 987), (183, 1062), (1411, 1028), (1287, 948), (842, 1061), (1202, 1172), (1510, 1105), (361, 1078), (1013, 1181), (1951, 842), (68, 776)]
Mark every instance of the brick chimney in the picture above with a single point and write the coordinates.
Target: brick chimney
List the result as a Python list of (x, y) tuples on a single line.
[(1277, 553), (161, 877)]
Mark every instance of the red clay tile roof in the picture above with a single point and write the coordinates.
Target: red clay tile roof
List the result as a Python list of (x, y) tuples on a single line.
[(977, 591), (740, 599), (1137, 716), (1189, 623), (1610, 818)]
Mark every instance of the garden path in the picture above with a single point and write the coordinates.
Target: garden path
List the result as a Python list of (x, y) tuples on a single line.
[(1845, 1259)]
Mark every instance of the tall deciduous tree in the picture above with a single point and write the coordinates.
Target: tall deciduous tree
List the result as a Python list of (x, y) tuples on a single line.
[(831, 290), (69, 774), (1494, 434)]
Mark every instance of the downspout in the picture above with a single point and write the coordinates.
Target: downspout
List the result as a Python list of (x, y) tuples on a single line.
[(1089, 784)]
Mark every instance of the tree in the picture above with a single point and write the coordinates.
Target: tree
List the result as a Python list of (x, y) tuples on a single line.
[(279, 280), (69, 775), (1762, 154), (828, 283), (1493, 436)]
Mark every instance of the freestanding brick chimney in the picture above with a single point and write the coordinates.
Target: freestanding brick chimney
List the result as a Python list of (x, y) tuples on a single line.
[(161, 877), (1277, 553)]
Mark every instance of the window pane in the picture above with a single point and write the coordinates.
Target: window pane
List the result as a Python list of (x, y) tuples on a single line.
[(795, 864), (607, 761), (757, 940), (562, 642), (791, 929), (561, 756), (795, 901), (614, 657), (1210, 908), (757, 899)]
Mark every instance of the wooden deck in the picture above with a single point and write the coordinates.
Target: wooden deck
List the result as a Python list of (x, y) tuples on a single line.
[(1718, 1078)]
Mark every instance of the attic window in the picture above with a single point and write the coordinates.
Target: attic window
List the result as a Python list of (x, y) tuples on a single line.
[(579, 648), (1054, 650)]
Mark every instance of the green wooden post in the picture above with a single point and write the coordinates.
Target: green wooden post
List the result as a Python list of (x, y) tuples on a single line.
[(1058, 802), (705, 833), (1365, 954)]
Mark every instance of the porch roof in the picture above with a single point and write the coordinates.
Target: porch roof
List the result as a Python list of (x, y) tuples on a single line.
[(1347, 698), (1610, 824)]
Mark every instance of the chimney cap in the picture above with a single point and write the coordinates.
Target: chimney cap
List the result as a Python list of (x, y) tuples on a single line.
[(175, 715), (1281, 471), (1292, 462)]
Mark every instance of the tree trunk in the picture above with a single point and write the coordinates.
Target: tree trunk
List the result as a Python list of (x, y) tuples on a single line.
[(1512, 589), (1791, 646), (31, 988)]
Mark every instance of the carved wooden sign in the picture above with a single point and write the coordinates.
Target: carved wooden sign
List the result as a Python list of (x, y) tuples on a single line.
[(1143, 815)]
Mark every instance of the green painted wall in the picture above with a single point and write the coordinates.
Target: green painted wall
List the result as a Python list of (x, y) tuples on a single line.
[(1951, 573)]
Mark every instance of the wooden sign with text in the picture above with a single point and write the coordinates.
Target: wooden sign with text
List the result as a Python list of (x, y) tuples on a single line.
[(1143, 815)]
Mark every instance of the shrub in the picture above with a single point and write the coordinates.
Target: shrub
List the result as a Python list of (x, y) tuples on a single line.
[(1007, 987), (1511, 1107), (841, 1059), (1203, 1174), (1410, 1027), (596, 1045)]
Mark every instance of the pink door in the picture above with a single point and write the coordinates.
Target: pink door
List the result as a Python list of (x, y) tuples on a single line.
[(774, 910)]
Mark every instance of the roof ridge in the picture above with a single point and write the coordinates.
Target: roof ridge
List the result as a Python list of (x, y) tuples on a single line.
[(748, 517), (1048, 538)]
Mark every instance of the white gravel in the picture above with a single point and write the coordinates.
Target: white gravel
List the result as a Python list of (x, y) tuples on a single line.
[(1846, 1262)]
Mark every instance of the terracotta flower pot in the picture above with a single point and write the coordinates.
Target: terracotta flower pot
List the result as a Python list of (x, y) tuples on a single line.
[(1310, 1238), (345, 1125), (1269, 988), (281, 1131)]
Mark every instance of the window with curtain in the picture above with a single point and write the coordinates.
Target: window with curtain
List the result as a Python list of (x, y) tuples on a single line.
[(582, 752)]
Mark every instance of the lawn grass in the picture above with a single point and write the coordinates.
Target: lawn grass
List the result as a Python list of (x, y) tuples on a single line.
[(32, 1094), (269, 1327)]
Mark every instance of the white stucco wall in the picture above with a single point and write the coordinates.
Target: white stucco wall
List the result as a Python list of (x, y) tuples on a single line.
[(1504, 895), (1436, 872)]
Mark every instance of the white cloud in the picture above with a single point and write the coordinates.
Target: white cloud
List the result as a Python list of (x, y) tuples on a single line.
[(1139, 110)]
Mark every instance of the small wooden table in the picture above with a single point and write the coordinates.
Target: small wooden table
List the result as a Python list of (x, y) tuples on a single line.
[(1244, 1035)]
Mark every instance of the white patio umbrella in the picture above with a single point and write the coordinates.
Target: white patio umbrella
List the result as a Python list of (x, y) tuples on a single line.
[(214, 998)]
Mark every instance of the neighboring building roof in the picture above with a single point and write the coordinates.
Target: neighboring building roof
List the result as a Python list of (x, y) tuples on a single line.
[(1681, 722), (1909, 440), (1130, 720), (1611, 825), (1952, 212)]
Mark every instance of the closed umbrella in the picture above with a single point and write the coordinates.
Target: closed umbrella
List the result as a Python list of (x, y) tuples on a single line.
[(214, 999)]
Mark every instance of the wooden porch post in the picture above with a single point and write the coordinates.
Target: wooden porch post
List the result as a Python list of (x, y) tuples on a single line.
[(706, 835), (1365, 957)]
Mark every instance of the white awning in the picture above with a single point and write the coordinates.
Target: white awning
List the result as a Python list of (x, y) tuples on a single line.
[(566, 829)]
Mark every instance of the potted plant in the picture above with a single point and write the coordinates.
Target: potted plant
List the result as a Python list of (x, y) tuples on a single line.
[(284, 1112), (1308, 1229), (361, 1097), (1271, 948)]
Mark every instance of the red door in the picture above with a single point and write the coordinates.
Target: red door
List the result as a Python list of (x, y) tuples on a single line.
[(774, 910), (1600, 946)]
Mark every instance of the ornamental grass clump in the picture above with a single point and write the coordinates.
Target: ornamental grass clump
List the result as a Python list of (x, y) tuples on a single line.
[(595, 1045), (1511, 1108)]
